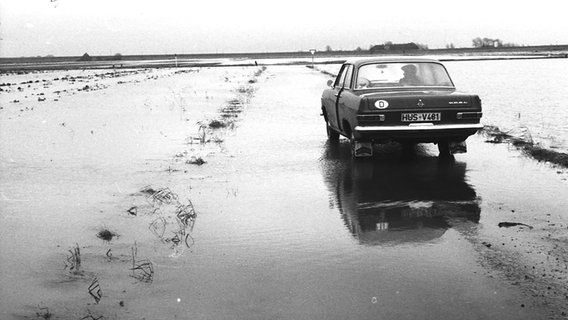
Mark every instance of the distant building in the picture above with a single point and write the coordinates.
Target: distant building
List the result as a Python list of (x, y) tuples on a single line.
[(394, 47), (85, 57)]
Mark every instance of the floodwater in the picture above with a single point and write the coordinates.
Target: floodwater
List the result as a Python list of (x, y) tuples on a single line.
[(277, 223), (525, 98)]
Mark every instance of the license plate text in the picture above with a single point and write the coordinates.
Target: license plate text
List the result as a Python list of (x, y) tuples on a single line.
[(420, 117)]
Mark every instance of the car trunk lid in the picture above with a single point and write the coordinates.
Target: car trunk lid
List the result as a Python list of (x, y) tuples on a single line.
[(438, 107)]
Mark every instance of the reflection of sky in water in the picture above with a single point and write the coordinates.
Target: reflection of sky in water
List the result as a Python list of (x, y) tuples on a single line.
[(389, 201), (527, 97)]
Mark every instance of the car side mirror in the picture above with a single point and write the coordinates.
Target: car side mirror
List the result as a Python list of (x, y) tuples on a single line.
[(330, 83)]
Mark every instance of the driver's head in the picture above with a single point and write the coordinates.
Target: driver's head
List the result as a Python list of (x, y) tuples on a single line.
[(409, 69)]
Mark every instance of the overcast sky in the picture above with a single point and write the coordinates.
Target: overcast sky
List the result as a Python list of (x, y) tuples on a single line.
[(107, 27)]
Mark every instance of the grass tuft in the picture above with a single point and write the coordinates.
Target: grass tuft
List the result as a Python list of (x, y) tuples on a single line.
[(216, 124), (73, 261), (106, 235), (196, 160)]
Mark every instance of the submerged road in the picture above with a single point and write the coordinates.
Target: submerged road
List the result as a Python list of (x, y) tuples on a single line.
[(282, 224), (293, 228)]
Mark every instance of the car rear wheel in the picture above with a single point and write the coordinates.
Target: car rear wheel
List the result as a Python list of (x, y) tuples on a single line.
[(444, 149), (360, 149), (332, 135)]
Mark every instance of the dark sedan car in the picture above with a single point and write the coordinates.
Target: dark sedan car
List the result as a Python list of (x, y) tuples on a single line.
[(406, 100)]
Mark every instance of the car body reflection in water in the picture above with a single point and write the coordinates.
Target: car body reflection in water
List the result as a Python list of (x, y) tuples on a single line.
[(394, 199)]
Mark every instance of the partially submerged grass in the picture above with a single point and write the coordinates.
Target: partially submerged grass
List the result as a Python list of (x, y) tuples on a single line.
[(95, 290), (180, 224), (542, 154), (201, 134), (148, 190), (142, 270), (217, 124), (528, 147), (73, 261), (44, 313), (106, 235), (133, 210), (162, 196), (196, 160), (246, 90)]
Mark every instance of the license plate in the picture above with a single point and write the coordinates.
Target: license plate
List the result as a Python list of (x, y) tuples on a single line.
[(421, 117)]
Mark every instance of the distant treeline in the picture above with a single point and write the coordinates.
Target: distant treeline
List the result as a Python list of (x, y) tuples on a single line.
[(404, 49), (396, 48)]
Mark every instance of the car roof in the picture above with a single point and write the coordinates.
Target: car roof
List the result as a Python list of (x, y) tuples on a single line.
[(359, 62)]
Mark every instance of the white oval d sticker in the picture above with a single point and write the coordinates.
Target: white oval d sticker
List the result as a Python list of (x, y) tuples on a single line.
[(381, 104)]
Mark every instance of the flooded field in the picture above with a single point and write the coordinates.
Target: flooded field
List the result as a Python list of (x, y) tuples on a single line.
[(525, 98), (212, 193)]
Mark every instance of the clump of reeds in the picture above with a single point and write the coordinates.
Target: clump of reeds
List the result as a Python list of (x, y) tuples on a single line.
[(196, 160), (148, 190), (158, 227), (216, 124), (142, 270), (133, 211), (73, 261), (95, 290), (106, 235), (247, 90), (44, 313), (163, 196), (186, 213), (202, 133)]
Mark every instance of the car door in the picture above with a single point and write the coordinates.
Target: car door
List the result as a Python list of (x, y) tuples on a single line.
[(337, 90), (344, 97)]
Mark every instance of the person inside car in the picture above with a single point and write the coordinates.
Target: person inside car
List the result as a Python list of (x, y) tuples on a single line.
[(410, 78)]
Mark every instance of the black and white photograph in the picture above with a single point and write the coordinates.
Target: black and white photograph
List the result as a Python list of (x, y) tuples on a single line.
[(251, 159)]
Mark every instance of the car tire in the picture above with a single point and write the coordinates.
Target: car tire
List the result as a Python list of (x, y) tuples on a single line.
[(444, 149), (352, 142), (363, 152), (332, 135)]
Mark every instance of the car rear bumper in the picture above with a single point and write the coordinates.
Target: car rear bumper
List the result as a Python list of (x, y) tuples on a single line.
[(419, 132)]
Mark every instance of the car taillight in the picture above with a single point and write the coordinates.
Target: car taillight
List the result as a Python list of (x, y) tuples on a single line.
[(371, 118), (468, 115), (478, 101)]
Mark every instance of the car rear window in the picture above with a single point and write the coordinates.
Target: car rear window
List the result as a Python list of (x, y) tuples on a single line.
[(398, 74)]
